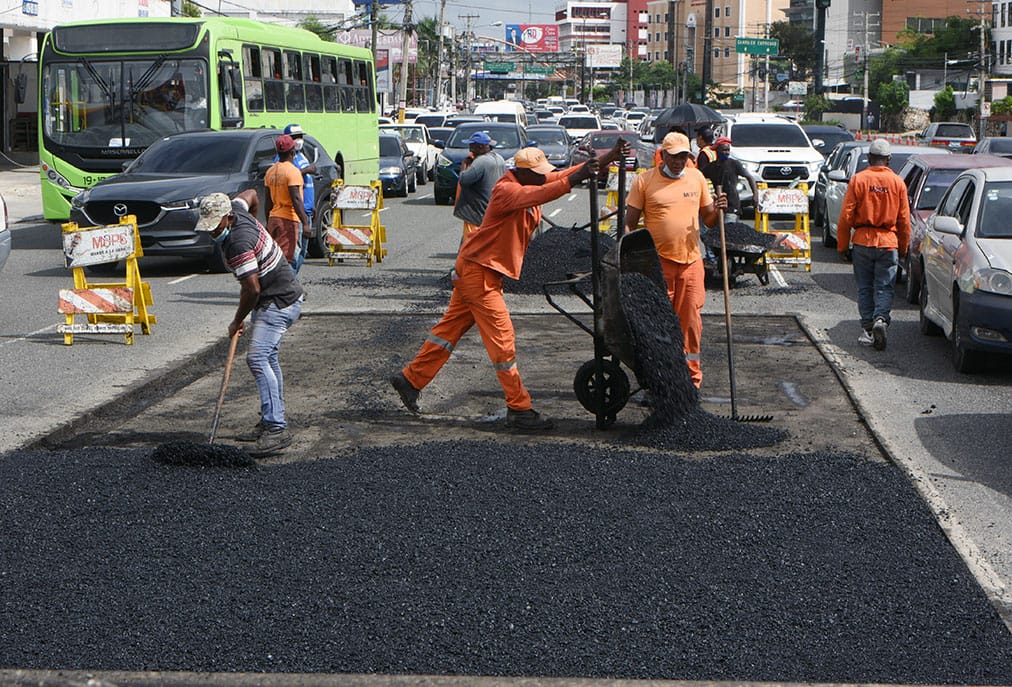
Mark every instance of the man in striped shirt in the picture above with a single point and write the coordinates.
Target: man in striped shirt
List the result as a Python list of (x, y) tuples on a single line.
[(270, 293)]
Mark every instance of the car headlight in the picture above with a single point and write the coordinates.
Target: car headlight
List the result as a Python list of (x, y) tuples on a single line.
[(750, 166), (191, 204), (995, 281), (443, 161), (814, 167), (391, 171), (81, 199), (557, 156)]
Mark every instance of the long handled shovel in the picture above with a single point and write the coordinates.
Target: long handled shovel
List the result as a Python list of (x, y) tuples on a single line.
[(224, 386), (727, 325)]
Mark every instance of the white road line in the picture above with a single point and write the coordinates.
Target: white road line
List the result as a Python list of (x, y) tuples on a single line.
[(182, 279), (29, 335), (777, 277), (427, 195), (554, 212), (571, 197)]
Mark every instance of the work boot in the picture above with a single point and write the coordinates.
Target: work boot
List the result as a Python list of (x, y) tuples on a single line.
[(527, 420), (866, 338), (409, 394), (878, 334), (271, 441), (253, 434)]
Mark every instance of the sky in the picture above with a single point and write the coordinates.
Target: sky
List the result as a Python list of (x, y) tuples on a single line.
[(506, 11)]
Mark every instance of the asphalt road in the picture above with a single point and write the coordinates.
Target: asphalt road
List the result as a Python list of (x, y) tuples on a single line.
[(948, 430)]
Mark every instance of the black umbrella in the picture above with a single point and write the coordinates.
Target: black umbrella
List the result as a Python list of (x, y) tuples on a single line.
[(689, 116)]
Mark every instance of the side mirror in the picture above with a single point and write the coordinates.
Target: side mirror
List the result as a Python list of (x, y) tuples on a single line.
[(944, 224), (440, 143), (838, 175)]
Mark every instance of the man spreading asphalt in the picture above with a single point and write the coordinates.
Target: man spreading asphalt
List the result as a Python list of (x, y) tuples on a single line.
[(308, 169), (496, 250), (269, 291), (285, 207), (875, 216), (671, 199), (479, 172)]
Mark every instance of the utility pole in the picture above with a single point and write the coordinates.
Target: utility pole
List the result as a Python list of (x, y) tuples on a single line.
[(440, 53), (671, 47), (982, 79), (467, 46), (707, 47), (374, 26), (820, 44), (766, 80), (405, 45), (867, 50)]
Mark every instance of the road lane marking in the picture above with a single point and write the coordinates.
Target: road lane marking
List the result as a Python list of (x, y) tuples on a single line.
[(553, 213), (777, 277), (181, 279), (29, 335), (571, 197), (427, 195)]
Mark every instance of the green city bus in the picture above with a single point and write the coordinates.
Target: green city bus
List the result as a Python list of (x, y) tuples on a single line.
[(110, 88)]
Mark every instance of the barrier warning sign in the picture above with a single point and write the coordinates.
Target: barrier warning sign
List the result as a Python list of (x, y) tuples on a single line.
[(783, 201), (98, 245), (354, 198)]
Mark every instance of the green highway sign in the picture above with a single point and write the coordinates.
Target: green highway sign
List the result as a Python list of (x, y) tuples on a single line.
[(757, 46), (539, 69), (499, 67)]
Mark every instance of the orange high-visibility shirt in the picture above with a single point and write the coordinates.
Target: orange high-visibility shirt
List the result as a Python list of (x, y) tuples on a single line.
[(877, 209), (279, 177), (671, 210), (512, 215)]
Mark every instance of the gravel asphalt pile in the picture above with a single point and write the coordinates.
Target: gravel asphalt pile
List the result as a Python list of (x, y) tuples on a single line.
[(677, 421), (739, 235), (538, 559), (553, 256)]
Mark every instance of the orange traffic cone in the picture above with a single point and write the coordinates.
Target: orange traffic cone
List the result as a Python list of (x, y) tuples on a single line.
[(857, 136)]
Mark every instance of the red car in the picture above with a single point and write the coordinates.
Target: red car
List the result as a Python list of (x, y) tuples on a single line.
[(601, 141)]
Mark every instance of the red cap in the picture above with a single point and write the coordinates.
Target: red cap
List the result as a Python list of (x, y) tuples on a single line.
[(284, 143)]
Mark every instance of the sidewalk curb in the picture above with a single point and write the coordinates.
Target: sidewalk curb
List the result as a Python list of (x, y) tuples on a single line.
[(994, 587)]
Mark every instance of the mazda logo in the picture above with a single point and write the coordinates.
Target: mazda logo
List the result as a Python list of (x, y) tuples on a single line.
[(786, 171), (119, 209)]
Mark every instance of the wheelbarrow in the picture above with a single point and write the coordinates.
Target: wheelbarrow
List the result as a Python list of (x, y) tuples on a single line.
[(745, 256)]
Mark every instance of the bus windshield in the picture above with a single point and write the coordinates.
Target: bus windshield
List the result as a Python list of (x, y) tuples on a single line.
[(127, 103)]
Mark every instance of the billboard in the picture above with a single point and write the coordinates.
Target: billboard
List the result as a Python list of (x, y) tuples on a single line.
[(533, 37), (599, 56), (388, 40)]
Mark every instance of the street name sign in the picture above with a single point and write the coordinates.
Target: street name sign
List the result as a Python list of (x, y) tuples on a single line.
[(757, 46)]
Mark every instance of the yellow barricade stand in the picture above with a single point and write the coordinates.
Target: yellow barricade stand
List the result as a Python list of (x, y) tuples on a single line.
[(611, 200), (108, 307), (363, 241), (795, 251)]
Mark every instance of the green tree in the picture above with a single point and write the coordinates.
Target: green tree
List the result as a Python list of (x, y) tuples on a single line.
[(189, 9), (815, 105), (797, 43), (945, 104), (1003, 106), (958, 37), (893, 97), (881, 69), (312, 23)]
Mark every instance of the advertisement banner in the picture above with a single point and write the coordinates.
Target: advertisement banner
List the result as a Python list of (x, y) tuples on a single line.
[(607, 56), (388, 40), (383, 84), (533, 37)]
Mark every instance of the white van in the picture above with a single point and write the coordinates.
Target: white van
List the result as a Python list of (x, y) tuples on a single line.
[(502, 111)]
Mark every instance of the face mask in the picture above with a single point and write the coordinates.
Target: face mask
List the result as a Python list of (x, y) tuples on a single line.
[(671, 175), (221, 237), (298, 145), (723, 156)]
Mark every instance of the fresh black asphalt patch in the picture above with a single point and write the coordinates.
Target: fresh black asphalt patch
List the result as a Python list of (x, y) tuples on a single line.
[(481, 558)]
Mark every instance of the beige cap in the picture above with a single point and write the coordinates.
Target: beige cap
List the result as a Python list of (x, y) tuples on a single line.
[(675, 143), (880, 147), (533, 159), (212, 209)]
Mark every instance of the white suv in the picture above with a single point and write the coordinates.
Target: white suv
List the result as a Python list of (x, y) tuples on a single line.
[(773, 148)]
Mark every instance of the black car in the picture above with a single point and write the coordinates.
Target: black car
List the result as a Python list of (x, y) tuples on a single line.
[(398, 166), (554, 142), (164, 185), (824, 137)]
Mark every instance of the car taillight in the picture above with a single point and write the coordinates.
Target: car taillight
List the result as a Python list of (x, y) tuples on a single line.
[(968, 144), (939, 142)]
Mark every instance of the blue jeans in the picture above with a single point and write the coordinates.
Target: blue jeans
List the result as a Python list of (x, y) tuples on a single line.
[(875, 271), (302, 247), (269, 325)]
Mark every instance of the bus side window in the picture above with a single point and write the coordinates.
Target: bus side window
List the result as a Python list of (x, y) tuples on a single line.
[(230, 83), (347, 81), (274, 87), (366, 97), (331, 91), (252, 73), (295, 95), (314, 90)]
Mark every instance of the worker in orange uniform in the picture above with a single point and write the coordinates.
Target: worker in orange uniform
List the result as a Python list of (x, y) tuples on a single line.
[(670, 199), (875, 207), (494, 251)]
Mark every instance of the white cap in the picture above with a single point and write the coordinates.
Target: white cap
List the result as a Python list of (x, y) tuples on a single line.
[(880, 147)]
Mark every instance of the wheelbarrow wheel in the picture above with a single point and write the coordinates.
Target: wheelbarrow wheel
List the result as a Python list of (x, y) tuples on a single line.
[(616, 388)]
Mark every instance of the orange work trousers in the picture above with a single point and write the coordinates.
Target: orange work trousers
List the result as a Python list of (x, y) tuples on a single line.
[(477, 299), (687, 291)]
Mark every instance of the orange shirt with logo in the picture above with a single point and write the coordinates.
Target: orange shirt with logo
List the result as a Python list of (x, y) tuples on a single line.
[(512, 215), (670, 210), (278, 178), (876, 208)]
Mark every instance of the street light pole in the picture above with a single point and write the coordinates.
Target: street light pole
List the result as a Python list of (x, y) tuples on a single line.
[(405, 45), (440, 53)]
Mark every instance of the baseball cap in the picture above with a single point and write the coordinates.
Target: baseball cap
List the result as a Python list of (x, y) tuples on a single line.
[(294, 130), (880, 147), (675, 143), (212, 209), (722, 140), (533, 159), (284, 143), (482, 138)]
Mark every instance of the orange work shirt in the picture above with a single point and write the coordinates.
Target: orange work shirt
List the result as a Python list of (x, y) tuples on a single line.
[(512, 215), (670, 210), (876, 209), (279, 177)]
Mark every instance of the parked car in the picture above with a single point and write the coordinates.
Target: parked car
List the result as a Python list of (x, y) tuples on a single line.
[(545, 117), (966, 285), (994, 145), (554, 142), (5, 234), (437, 134), (853, 162), (579, 125), (164, 185), (955, 136), (417, 137), (454, 121), (432, 119), (825, 137), (398, 166), (601, 141), (927, 178), (834, 160), (508, 140)]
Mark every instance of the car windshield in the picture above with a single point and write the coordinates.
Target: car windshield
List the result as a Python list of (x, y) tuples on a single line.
[(389, 147), (995, 209), (955, 130), (603, 141), (188, 154), (895, 161), (547, 137), (578, 122), (934, 186), (411, 134), (430, 120), (504, 138), (831, 138), (768, 136)]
